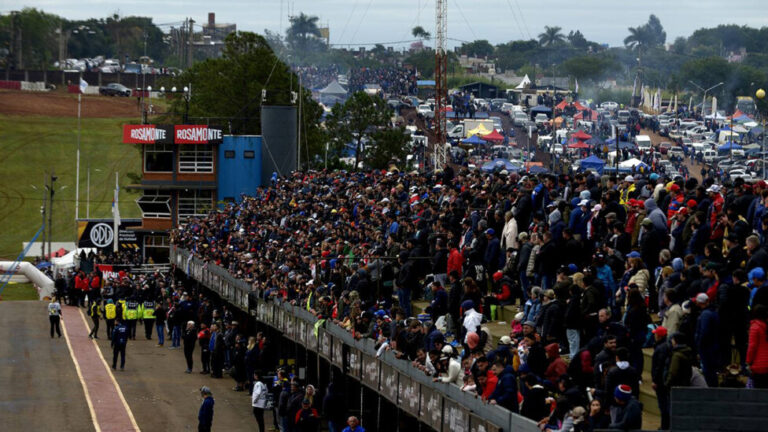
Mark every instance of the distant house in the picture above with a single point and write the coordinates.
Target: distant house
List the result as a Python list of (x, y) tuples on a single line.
[(482, 90)]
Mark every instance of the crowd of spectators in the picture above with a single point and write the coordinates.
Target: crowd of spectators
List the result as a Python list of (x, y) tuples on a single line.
[(398, 81), (599, 267)]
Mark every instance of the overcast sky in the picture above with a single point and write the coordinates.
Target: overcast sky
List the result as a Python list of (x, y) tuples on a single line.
[(371, 21)]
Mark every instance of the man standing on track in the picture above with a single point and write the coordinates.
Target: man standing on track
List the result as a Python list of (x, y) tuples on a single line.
[(119, 342), (110, 313), (205, 415), (132, 316), (54, 315), (95, 311), (147, 310)]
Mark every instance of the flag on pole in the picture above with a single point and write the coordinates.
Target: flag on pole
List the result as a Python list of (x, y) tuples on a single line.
[(634, 89), (577, 85), (674, 108), (714, 108), (116, 214), (657, 100), (83, 85)]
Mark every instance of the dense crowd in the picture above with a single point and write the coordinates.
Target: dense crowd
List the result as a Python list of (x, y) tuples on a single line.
[(397, 81), (599, 268)]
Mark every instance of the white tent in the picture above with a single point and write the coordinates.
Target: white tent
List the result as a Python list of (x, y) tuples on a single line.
[(629, 163), (524, 83), (43, 284), (70, 260), (334, 89)]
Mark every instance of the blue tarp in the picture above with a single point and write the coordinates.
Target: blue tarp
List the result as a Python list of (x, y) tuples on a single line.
[(498, 165), (743, 117), (536, 170), (478, 115), (592, 162), (422, 83), (755, 131), (728, 146), (474, 140), (595, 141)]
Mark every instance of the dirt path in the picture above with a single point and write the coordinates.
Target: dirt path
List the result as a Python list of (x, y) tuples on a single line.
[(59, 104)]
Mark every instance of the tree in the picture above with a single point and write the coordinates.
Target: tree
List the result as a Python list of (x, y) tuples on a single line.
[(303, 34), (577, 40), (478, 48), (588, 67), (356, 121), (389, 145), (227, 90), (419, 32), (648, 35), (551, 36)]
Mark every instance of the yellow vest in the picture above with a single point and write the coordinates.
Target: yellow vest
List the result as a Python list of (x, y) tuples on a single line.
[(111, 310)]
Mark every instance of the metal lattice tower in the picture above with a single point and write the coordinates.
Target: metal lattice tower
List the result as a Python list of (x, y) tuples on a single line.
[(441, 82)]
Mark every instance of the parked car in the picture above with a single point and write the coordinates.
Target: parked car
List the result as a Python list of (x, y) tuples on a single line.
[(676, 152), (609, 105), (115, 89), (740, 174), (425, 110), (664, 147), (520, 119), (541, 119)]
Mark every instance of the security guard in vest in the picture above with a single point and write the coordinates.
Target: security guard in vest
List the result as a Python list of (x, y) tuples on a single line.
[(148, 314), (131, 312), (96, 312), (110, 313)]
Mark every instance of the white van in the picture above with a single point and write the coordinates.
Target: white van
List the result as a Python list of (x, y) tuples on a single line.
[(709, 156), (643, 143)]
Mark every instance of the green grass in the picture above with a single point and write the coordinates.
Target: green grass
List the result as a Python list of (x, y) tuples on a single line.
[(33, 145), (19, 291)]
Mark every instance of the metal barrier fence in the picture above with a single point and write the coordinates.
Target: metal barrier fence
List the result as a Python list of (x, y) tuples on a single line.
[(443, 407)]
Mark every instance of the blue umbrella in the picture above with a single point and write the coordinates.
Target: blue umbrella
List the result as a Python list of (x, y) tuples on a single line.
[(498, 165), (474, 140)]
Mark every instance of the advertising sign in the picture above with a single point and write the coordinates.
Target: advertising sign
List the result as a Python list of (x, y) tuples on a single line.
[(431, 407), (100, 233), (147, 134), (371, 371), (455, 417), (337, 354), (197, 134), (408, 394), (388, 383), (354, 362), (325, 344)]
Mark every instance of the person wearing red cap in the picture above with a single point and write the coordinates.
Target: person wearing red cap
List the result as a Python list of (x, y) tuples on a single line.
[(676, 201), (661, 355)]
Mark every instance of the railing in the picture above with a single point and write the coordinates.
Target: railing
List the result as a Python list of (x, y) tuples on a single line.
[(442, 406)]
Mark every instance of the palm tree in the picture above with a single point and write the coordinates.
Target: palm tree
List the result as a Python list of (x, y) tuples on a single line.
[(551, 36), (302, 29), (638, 39)]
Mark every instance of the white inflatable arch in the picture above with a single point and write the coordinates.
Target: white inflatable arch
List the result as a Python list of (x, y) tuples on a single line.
[(43, 284)]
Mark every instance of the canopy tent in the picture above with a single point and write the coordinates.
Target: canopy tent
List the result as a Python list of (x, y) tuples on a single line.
[(592, 162), (633, 163), (334, 89), (755, 131), (750, 124), (57, 254), (524, 83), (752, 149), (581, 136), (578, 145), (725, 128), (541, 109), (739, 129), (500, 164), (728, 146), (537, 169), (561, 106), (494, 136), (579, 106), (595, 141), (479, 130), (717, 116), (742, 118), (474, 140)]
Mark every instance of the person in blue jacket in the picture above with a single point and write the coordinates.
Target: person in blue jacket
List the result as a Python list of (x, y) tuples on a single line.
[(205, 415), (505, 394), (119, 342)]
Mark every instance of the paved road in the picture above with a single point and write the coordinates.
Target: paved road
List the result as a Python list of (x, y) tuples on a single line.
[(41, 390), (40, 387)]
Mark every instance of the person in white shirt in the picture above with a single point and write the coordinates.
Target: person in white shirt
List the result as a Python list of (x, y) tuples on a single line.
[(54, 315), (259, 400)]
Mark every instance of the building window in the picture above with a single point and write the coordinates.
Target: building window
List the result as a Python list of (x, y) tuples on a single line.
[(154, 204), (249, 154), (194, 203), (229, 154), (196, 158), (158, 158)]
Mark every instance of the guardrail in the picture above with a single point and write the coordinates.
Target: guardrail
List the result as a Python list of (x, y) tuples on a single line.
[(443, 407)]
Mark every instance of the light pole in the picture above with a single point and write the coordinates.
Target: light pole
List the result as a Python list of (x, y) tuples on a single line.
[(704, 100), (186, 92), (760, 95)]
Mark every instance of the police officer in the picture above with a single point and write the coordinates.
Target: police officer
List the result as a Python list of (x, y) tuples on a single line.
[(147, 311), (131, 316), (110, 313), (119, 342), (95, 312)]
